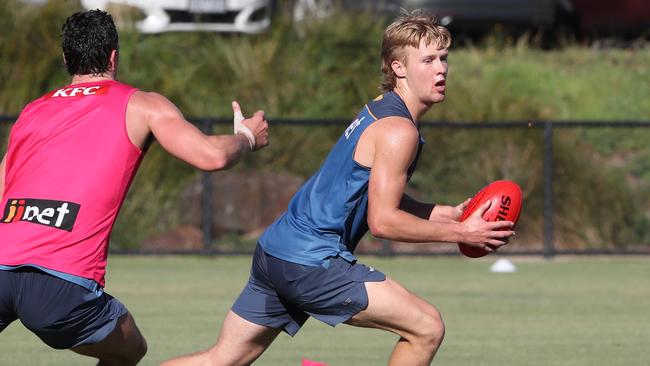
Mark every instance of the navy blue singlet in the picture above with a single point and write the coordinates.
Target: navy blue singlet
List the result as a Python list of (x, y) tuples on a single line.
[(328, 215)]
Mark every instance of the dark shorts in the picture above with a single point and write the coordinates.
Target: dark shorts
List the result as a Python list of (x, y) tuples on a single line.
[(62, 314), (282, 294)]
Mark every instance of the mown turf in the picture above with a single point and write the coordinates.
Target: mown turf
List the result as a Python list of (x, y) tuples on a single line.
[(569, 311)]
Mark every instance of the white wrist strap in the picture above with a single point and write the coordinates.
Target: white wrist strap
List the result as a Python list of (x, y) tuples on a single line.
[(241, 128)]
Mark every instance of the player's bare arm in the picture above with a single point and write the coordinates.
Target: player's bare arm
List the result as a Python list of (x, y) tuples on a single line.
[(438, 213), (447, 212), (153, 113), (420, 209), (394, 144), (432, 211)]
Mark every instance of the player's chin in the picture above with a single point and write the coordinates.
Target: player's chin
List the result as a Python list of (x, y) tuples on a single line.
[(438, 98)]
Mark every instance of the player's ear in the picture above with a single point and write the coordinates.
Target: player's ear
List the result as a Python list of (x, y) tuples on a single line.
[(398, 68), (112, 64)]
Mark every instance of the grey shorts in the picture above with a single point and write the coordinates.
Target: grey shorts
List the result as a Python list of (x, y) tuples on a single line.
[(281, 294), (62, 314)]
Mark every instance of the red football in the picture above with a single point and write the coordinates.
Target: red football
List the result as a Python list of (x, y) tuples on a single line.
[(506, 205)]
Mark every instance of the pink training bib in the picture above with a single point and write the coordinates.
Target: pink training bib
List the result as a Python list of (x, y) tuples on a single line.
[(69, 165)]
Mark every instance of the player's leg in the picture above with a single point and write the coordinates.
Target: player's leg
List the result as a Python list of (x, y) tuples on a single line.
[(256, 318), (419, 324), (125, 345), (240, 343), (7, 310), (359, 295)]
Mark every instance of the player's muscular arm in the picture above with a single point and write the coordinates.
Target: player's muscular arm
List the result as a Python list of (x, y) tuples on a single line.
[(417, 208), (153, 113), (395, 143), (432, 211)]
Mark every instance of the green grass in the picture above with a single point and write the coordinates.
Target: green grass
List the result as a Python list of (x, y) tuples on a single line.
[(569, 311)]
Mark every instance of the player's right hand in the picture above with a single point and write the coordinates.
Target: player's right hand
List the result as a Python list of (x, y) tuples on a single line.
[(488, 235), (254, 128)]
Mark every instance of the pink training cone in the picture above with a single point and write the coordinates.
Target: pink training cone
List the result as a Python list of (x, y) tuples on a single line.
[(306, 362)]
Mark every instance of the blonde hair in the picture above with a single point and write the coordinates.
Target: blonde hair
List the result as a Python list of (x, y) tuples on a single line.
[(409, 30)]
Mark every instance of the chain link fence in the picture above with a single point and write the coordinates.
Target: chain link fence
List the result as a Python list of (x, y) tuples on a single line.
[(586, 185)]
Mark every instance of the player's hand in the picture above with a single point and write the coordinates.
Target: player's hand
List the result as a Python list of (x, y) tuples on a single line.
[(255, 128), (487, 235), (449, 212)]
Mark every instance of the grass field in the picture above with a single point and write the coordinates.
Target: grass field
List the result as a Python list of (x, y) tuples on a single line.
[(568, 311)]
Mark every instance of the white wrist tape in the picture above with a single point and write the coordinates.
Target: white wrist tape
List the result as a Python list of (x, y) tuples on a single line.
[(241, 128)]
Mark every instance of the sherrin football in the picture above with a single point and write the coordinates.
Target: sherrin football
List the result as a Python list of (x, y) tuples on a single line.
[(506, 200)]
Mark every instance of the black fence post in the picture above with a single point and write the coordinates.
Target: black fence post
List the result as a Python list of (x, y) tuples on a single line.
[(549, 247), (206, 196)]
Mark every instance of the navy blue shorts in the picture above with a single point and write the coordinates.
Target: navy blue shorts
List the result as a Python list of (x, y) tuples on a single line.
[(281, 294), (62, 314)]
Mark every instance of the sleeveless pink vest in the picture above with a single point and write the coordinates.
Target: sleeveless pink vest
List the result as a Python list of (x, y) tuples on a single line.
[(69, 165)]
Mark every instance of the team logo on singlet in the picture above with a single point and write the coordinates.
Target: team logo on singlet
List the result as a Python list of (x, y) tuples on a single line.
[(56, 214), (78, 91), (352, 126)]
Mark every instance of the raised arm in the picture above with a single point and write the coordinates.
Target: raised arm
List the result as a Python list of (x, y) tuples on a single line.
[(153, 113), (395, 142)]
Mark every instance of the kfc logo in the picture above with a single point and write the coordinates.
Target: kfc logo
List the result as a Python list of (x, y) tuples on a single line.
[(79, 91)]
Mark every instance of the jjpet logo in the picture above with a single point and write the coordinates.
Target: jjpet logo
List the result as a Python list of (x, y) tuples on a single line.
[(80, 91), (57, 214)]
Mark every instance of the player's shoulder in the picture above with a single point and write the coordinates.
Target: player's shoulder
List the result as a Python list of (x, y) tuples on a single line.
[(396, 127), (387, 105), (147, 97), (151, 102), (148, 108)]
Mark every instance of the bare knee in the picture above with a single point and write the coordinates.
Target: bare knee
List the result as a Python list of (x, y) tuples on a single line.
[(139, 351), (135, 351), (136, 344), (430, 330), (124, 346), (128, 358)]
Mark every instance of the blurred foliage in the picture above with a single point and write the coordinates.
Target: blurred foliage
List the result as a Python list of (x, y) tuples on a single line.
[(324, 69)]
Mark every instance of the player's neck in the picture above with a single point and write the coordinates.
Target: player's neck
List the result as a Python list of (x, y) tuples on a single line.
[(91, 78), (416, 108)]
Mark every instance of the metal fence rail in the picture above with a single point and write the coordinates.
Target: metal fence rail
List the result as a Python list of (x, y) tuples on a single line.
[(207, 123)]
